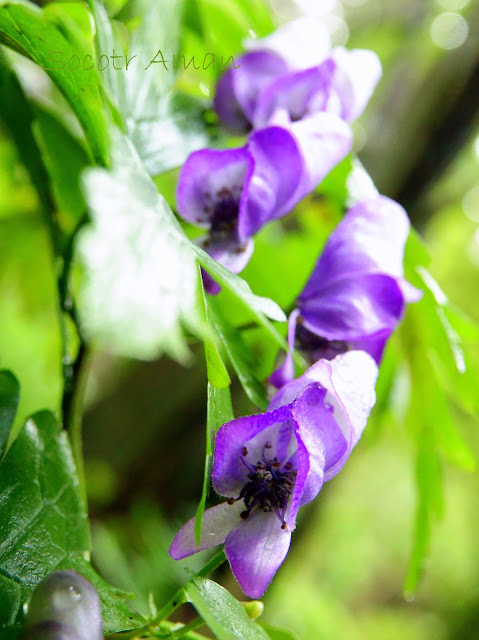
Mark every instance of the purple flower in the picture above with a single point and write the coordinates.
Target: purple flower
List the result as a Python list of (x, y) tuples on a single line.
[(357, 293), (234, 192), (273, 77), (268, 465)]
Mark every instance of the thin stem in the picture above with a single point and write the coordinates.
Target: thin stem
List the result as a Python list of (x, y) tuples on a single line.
[(186, 630), (165, 612), (216, 561), (180, 596), (72, 412)]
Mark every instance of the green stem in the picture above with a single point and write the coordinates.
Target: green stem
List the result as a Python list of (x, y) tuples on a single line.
[(216, 561), (180, 597), (176, 601), (73, 410), (186, 630)]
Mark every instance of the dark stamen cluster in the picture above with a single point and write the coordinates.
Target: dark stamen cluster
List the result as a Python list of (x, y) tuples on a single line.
[(315, 347), (224, 210), (269, 486)]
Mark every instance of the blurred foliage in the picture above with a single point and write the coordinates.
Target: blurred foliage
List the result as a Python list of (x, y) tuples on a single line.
[(400, 510)]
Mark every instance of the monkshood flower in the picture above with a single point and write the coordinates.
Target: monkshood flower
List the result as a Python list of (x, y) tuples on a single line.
[(273, 76), (357, 293), (268, 465), (234, 192)]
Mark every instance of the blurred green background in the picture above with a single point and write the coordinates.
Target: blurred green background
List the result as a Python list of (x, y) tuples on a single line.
[(144, 422)]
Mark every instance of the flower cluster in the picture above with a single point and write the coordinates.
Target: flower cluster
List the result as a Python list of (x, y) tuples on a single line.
[(270, 464), (299, 116)]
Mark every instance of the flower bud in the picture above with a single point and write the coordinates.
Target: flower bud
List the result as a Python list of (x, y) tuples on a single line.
[(64, 606)]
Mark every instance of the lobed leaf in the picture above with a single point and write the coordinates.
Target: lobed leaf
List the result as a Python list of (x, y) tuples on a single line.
[(141, 279)]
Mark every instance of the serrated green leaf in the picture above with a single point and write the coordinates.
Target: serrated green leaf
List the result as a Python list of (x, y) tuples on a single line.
[(223, 614), (43, 524), (219, 411), (25, 27), (240, 357), (9, 398), (141, 279)]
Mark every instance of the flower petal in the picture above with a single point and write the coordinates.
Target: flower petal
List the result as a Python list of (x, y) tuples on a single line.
[(325, 441), (229, 470), (255, 549), (298, 92), (354, 308), (370, 239), (321, 373), (349, 380), (204, 174), (324, 140), (285, 373), (358, 73), (303, 42), (237, 90), (278, 170), (354, 376), (216, 524)]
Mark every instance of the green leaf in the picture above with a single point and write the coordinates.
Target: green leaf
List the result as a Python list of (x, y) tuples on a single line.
[(217, 372), (430, 505), (164, 126), (173, 128), (240, 356), (223, 614), (17, 114), (219, 411), (141, 279), (277, 634), (43, 524), (261, 308), (27, 29), (65, 159), (9, 398), (438, 369)]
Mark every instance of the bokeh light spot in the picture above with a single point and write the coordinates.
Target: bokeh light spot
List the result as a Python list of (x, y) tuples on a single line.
[(449, 30)]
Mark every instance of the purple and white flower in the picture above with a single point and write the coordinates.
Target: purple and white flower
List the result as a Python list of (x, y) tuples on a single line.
[(234, 192), (273, 76), (357, 293), (268, 465)]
